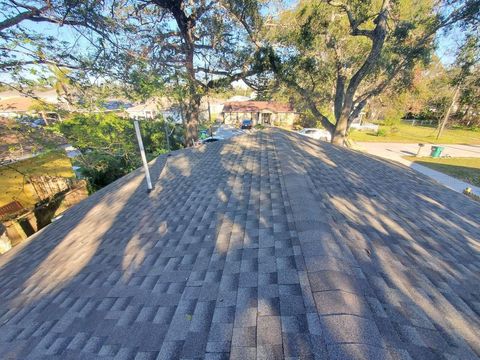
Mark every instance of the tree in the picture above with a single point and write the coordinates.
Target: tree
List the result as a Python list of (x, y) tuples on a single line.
[(108, 144), (465, 79), (184, 46), (344, 53), (23, 47), (423, 97), (62, 83), (468, 78)]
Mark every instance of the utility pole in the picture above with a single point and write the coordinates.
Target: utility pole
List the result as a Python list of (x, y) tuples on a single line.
[(166, 134), (449, 110), (142, 153)]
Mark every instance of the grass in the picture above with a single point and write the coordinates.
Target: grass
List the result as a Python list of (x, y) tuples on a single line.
[(405, 133), (466, 169), (54, 163)]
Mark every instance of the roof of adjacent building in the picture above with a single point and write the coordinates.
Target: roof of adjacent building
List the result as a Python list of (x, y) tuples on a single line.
[(24, 104), (49, 96), (256, 106), (153, 104), (16, 104), (268, 245), (10, 208)]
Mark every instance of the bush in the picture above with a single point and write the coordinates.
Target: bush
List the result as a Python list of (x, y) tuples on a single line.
[(259, 127), (101, 169), (381, 132), (109, 144)]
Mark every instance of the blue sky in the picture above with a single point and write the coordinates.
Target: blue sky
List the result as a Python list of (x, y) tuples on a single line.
[(448, 45)]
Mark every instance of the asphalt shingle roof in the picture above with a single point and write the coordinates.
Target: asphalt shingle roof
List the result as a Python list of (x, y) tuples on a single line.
[(268, 245)]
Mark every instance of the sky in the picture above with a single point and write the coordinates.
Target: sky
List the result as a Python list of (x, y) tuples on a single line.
[(448, 46)]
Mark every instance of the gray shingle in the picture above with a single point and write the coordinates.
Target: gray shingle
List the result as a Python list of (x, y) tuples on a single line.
[(357, 351), (268, 245), (349, 329), (269, 330), (244, 336), (341, 302)]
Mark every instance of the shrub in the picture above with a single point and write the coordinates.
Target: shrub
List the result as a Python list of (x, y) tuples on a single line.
[(381, 132), (101, 169), (109, 146)]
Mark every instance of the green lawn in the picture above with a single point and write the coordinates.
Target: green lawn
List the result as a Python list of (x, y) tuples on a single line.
[(466, 169), (405, 133), (11, 182)]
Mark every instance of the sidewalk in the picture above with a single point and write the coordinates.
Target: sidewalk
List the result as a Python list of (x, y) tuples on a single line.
[(397, 151)]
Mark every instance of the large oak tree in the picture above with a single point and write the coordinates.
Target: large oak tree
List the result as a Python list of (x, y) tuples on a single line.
[(340, 54), (184, 47)]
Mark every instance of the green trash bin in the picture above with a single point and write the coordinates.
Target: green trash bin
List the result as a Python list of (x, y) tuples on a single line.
[(436, 151)]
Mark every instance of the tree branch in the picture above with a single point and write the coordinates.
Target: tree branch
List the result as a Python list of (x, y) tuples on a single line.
[(354, 24), (7, 23)]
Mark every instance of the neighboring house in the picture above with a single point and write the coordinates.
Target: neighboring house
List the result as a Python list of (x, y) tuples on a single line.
[(18, 107), (359, 124), (143, 111), (14, 104), (155, 107), (168, 109), (49, 96), (260, 112)]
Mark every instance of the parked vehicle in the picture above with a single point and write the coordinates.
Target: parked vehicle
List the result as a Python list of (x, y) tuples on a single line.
[(365, 127), (35, 123), (318, 134), (246, 124), (39, 122)]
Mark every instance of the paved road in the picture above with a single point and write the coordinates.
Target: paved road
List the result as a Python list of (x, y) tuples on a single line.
[(269, 245), (397, 151)]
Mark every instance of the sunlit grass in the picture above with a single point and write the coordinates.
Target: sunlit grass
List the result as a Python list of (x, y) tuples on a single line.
[(404, 133), (466, 169)]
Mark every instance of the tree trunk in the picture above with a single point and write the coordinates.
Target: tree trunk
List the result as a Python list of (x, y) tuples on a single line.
[(186, 23), (192, 115), (340, 132), (191, 134), (377, 36)]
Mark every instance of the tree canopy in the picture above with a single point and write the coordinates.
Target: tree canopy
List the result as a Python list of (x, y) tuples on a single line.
[(176, 47), (335, 55), (340, 54), (26, 40)]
